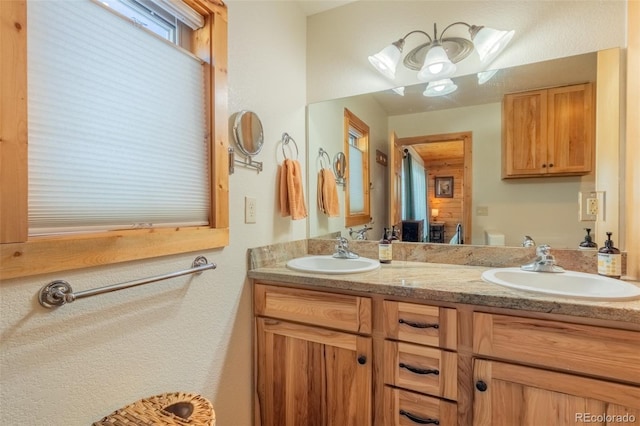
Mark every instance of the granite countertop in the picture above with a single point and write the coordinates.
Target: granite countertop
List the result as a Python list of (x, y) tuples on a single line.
[(448, 283)]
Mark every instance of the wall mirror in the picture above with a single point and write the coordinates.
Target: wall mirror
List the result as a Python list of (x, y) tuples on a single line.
[(545, 208), (248, 133)]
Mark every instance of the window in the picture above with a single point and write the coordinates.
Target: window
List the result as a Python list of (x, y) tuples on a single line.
[(23, 254), (149, 16), (356, 146)]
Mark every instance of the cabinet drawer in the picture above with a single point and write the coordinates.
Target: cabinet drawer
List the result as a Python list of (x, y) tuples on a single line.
[(586, 349), (404, 408), (421, 368), (338, 311), (423, 324)]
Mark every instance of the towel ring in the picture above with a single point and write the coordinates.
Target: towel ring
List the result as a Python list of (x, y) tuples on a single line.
[(285, 141), (324, 154)]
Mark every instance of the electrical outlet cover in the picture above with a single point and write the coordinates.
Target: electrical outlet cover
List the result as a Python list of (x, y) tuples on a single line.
[(249, 210)]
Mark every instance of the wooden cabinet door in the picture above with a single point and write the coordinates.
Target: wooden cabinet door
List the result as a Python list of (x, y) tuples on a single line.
[(570, 129), (311, 376), (507, 395), (524, 139)]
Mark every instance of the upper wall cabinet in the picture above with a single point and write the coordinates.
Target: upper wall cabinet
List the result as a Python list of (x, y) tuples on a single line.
[(548, 132)]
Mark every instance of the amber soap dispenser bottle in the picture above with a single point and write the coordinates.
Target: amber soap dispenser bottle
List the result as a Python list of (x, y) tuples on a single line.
[(384, 248), (609, 259)]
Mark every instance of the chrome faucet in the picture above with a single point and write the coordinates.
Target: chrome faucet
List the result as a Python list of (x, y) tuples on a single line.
[(544, 262), (528, 242), (342, 250), (360, 234)]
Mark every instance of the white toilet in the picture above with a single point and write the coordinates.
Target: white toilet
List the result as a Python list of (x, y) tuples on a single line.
[(493, 238)]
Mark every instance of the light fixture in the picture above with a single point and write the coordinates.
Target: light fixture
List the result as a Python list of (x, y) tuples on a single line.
[(435, 213), (399, 90), (484, 76), (436, 58), (440, 88)]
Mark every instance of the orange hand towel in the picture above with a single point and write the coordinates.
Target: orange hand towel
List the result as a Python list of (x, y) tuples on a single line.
[(294, 187), (319, 192), (330, 201), (283, 194)]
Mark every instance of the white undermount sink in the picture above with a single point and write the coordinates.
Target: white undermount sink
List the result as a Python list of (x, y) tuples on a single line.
[(332, 265), (566, 284)]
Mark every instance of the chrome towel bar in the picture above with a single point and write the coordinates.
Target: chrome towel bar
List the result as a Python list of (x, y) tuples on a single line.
[(59, 292)]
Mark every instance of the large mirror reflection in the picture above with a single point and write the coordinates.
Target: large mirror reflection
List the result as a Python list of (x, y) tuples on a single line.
[(457, 139)]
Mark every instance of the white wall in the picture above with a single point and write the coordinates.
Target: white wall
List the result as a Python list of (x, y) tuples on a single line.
[(546, 209), (341, 39), (326, 130), (73, 365)]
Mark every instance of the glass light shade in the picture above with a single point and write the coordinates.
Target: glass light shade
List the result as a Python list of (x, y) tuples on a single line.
[(485, 76), (489, 42), (386, 60), (440, 88), (399, 90), (436, 64)]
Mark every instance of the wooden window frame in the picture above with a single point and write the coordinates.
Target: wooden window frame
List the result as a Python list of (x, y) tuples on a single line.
[(352, 121), (22, 255)]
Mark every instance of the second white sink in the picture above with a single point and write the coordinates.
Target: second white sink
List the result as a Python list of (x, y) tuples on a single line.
[(567, 284), (331, 265)]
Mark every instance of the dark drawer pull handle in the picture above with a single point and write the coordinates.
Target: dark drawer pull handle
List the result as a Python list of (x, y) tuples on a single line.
[(418, 370), (418, 324), (362, 360), (481, 386), (418, 420)]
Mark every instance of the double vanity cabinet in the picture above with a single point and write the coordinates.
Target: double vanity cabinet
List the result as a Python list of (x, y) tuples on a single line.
[(334, 356)]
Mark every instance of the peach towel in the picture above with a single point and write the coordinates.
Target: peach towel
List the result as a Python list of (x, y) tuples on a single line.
[(328, 193), (291, 193)]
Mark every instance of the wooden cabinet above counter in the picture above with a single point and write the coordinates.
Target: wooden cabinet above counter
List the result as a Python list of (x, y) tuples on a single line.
[(548, 132)]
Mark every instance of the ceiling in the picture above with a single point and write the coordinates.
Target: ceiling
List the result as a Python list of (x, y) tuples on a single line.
[(552, 73), (311, 7)]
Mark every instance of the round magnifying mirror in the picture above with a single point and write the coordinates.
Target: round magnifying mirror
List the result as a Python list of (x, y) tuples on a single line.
[(247, 132), (339, 165)]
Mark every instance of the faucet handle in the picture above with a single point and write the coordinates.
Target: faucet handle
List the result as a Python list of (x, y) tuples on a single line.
[(543, 250), (342, 241)]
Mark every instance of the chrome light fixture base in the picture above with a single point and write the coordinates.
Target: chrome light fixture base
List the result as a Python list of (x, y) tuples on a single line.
[(457, 49)]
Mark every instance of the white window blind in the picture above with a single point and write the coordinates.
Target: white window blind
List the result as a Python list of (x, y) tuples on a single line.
[(356, 182), (117, 129)]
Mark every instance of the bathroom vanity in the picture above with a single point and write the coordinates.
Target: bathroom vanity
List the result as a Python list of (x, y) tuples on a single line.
[(428, 343)]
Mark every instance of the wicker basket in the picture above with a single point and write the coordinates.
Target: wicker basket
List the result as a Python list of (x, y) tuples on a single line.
[(170, 409)]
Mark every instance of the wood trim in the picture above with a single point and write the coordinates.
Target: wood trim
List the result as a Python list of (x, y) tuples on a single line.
[(467, 185), (46, 255), (24, 256), (13, 121)]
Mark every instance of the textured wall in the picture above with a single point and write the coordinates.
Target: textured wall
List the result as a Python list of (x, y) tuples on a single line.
[(76, 364)]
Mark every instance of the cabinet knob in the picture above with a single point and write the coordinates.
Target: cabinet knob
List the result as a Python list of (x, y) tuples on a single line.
[(551, 165), (481, 386), (362, 360), (544, 165)]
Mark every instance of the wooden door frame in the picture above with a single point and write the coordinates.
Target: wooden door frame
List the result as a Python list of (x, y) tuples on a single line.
[(467, 139)]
